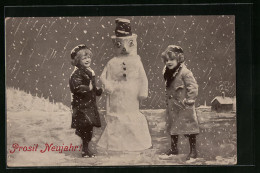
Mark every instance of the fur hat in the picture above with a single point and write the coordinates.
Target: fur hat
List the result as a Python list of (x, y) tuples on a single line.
[(173, 52)]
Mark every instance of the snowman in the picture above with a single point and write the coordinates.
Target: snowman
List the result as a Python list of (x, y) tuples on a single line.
[(126, 84)]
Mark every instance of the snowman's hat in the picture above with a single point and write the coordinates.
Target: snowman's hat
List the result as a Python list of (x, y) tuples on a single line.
[(123, 28)]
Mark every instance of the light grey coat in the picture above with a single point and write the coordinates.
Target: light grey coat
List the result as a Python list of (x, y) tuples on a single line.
[(181, 117)]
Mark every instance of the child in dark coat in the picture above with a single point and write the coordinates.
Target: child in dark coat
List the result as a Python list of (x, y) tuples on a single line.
[(82, 84), (181, 93)]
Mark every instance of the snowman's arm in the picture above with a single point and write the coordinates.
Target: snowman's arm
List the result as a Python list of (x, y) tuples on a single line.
[(143, 92), (106, 80)]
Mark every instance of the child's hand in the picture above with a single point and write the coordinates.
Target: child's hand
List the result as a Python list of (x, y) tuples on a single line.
[(188, 102), (90, 86), (101, 89)]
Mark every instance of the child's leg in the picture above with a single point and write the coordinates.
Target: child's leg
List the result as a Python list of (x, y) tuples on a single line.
[(174, 144), (86, 138), (193, 150)]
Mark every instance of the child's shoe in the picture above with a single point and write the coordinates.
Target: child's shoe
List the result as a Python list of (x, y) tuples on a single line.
[(193, 154), (174, 149), (88, 153), (172, 152), (193, 151)]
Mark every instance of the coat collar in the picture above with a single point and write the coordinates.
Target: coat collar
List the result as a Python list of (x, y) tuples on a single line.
[(177, 71), (87, 71)]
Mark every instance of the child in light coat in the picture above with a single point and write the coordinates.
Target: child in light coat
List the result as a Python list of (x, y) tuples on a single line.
[(181, 93)]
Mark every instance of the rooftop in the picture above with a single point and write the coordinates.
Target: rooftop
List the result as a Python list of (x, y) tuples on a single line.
[(221, 100)]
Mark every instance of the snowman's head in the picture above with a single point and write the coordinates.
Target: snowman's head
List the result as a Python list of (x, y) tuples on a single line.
[(124, 41), (125, 46)]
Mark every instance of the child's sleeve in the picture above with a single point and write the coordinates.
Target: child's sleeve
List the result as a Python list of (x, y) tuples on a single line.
[(98, 91), (192, 88), (76, 86)]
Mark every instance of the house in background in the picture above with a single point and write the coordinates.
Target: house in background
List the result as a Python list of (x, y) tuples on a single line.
[(222, 104)]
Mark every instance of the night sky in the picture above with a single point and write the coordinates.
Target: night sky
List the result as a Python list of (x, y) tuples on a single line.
[(38, 52)]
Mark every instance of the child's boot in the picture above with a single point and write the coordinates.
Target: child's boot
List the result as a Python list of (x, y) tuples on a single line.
[(85, 151), (174, 148), (193, 150)]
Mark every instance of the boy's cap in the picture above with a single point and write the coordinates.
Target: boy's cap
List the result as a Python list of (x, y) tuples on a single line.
[(76, 49), (123, 28)]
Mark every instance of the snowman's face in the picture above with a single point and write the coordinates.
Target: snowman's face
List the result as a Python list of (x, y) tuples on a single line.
[(125, 46)]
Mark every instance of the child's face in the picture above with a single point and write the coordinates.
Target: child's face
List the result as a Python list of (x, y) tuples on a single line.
[(171, 63), (84, 57)]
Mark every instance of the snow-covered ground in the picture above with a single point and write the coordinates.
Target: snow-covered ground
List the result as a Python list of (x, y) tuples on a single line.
[(33, 120)]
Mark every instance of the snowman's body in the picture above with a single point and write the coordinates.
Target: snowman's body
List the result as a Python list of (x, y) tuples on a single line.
[(125, 81)]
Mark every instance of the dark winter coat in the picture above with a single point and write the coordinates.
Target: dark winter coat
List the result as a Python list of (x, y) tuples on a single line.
[(181, 93), (85, 112)]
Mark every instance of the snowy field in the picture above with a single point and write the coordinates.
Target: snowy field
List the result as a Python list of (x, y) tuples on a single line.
[(33, 121)]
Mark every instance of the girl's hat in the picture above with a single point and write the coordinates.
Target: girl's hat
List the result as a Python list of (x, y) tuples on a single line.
[(173, 52), (174, 48), (76, 49)]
